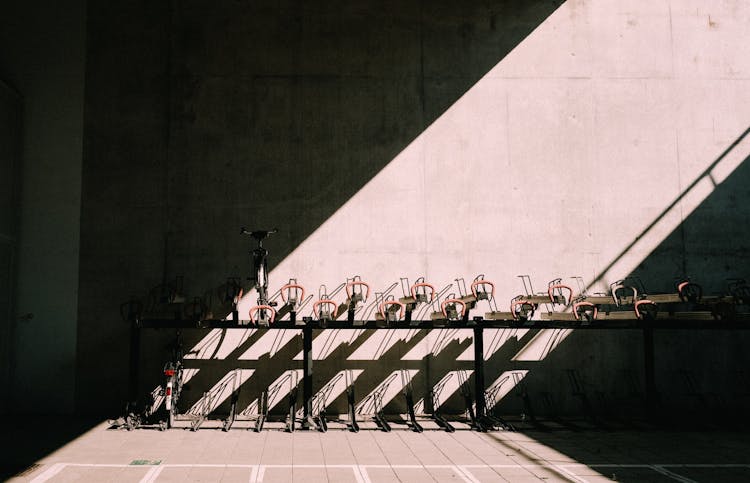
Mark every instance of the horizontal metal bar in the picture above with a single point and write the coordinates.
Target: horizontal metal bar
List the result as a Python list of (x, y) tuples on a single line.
[(739, 322)]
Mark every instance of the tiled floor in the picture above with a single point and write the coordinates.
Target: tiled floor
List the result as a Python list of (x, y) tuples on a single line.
[(373, 456)]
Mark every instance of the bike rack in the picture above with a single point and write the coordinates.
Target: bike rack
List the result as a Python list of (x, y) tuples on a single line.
[(293, 297), (578, 391), (479, 291), (136, 416), (415, 295), (465, 389), (324, 315), (388, 310), (376, 399), (435, 396), (269, 395), (408, 392), (352, 412), (690, 291), (320, 403), (628, 295), (292, 401), (490, 402), (584, 310), (521, 308), (449, 311), (229, 421), (373, 307), (555, 292), (739, 291), (354, 296), (261, 311), (199, 414), (619, 285), (420, 296), (645, 309), (523, 392)]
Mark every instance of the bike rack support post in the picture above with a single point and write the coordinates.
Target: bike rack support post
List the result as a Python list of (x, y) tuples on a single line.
[(465, 388), (352, 410), (262, 411), (226, 425), (307, 374), (408, 392), (435, 396), (479, 370), (291, 416)]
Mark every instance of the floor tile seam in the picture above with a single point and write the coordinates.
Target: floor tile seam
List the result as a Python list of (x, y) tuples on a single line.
[(488, 444), (398, 466), (479, 457), (323, 456), (519, 453), (447, 457), (390, 464), (400, 437), (543, 457)]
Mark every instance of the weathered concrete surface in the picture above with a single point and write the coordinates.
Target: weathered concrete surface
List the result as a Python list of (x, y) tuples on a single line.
[(10, 167), (42, 56), (250, 114), (407, 140)]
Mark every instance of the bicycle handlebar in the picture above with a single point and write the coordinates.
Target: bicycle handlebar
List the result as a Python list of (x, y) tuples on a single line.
[(258, 234)]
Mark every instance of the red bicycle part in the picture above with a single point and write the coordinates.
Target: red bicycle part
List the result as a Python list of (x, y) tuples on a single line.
[(423, 284), (642, 302), (291, 286), (477, 283), (385, 304), (559, 286), (351, 284), (453, 301), (584, 304), (257, 308), (519, 302), (317, 305)]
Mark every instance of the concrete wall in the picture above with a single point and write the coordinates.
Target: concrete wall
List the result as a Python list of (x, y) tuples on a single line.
[(42, 57), (420, 138), (10, 167)]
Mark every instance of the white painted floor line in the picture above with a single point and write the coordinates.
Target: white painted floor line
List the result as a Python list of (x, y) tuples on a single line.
[(569, 474), (254, 474), (206, 465), (674, 476), (466, 474), (57, 467), (49, 473), (152, 474), (360, 473), (258, 471)]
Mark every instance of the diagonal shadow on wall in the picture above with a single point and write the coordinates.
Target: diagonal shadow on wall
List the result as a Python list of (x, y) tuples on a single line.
[(251, 113), (697, 373)]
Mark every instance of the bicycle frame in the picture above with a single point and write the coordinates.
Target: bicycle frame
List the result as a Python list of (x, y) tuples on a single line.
[(260, 263)]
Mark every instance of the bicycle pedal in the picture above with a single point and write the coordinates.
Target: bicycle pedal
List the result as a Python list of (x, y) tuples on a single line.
[(273, 304)]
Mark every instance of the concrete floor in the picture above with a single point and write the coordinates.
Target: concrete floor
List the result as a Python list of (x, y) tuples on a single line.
[(100, 454)]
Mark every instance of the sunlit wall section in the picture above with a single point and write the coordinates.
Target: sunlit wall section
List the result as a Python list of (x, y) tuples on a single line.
[(576, 155), (558, 159)]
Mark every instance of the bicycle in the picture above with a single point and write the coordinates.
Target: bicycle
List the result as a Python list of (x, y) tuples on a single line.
[(264, 307), (173, 371)]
